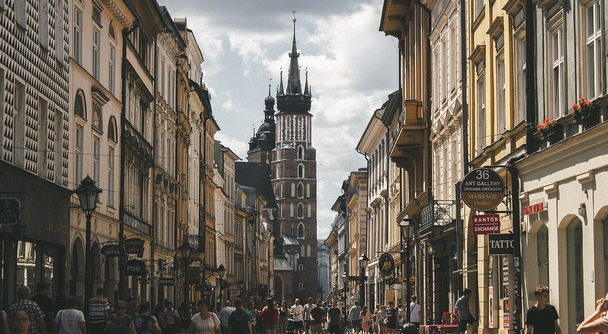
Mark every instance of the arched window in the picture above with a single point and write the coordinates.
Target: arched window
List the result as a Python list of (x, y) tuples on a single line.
[(111, 32), (80, 108), (300, 152), (300, 128), (301, 231), (300, 171), (288, 128), (300, 191), (300, 210), (112, 131)]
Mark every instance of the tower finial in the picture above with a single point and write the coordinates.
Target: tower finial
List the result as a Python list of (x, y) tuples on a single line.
[(293, 76), (269, 85)]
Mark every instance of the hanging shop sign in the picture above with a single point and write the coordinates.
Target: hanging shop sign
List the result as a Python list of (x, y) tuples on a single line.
[(535, 208), (482, 189), (134, 246), (111, 250), (486, 224), (176, 271), (166, 281), (500, 244), (386, 264), (136, 268)]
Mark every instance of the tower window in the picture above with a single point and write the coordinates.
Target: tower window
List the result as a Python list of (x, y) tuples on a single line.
[(300, 191), (301, 171), (300, 153), (301, 231)]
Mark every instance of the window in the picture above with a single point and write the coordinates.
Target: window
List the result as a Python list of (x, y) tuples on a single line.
[(481, 108), (520, 78), (593, 50), (77, 35), (79, 106), (288, 128), (300, 128), (301, 286), (96, 159), (96, 45), (112, 68), (479, 6), (43, 116), (300, 191), (43, 23), (300, 153), (501, 113), (300, 210), (78, 154), (556, 105), (19, 135), (111, 176), (112, 131), (300, 267), (300, 171), (301, 231)]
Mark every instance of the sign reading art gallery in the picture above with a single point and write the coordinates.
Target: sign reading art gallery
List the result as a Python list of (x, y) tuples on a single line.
[(482, 189)]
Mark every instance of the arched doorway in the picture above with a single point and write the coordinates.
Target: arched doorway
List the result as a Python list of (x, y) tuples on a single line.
[(574, 247), (77, 268)]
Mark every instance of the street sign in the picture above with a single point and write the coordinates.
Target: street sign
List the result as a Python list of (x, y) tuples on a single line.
[(166, 281), (206, 293), (393, 280), (136, 268), (386, 264), (10, 208), (486, 224), (135, 246), (482, 189), (111, 250), (393, 287), (354, 278), (500, 244)]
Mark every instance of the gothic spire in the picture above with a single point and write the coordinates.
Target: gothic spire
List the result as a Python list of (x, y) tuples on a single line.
[(306, 92), (280, 89), (293, 79)]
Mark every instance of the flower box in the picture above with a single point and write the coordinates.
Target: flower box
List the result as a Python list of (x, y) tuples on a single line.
[(553, 133), (585, 112)]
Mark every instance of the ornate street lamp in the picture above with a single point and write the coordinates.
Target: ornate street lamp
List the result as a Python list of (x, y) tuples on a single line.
[(185, 249), (88, 194), (406, 224), (363, 261)]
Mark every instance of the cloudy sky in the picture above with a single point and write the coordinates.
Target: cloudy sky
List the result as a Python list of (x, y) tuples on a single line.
[(352, 68)]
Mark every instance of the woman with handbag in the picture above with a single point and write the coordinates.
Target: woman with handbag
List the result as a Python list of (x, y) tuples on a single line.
[(70, 320), (366, 319), (120, 322)]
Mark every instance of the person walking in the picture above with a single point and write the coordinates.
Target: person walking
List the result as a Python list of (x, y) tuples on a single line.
[(283, 318), (184, 314), (415, 311), (317, 314), (391, 318), (120, 322), (307, 308), (224, 314), (598, 321), (146, 323), (463, 313), (542, 317), (354, 314), (20, 322), (297, 311), (366, 319), (170, 319), (70, 320), (99, 309), (205, 321), (270, 317), (238, 321), (37, 324), (46, 303), (334, 314), (382, 319)]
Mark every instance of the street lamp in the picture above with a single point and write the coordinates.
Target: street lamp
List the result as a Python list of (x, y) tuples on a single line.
[(185, 249), (363, 261), (88, 194), (222, 271), (241, 285), (407, 224)]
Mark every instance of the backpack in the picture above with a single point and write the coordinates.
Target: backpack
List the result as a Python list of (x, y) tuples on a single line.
[(144, 324)]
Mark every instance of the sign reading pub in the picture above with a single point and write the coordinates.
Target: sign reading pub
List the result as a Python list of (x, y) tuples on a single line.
[(482, 189)]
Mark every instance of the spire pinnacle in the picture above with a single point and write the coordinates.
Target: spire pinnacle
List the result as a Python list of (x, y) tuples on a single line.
[(306, 91), (269, 84), (293, 78), (280, 90)]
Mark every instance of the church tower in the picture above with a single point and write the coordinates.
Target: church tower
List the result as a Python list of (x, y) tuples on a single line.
[(294, 180)]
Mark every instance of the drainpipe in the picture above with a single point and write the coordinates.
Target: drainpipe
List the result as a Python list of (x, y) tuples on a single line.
[(517, 261), (122, 282), (463, 85), (154, 225), (531, 113)]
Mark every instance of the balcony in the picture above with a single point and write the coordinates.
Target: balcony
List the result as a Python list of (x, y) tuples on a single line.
[(437, 215), (409, 133)]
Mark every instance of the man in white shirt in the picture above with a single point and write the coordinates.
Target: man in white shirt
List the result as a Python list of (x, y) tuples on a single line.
[(297, 312), (415, 311), (307, 320)]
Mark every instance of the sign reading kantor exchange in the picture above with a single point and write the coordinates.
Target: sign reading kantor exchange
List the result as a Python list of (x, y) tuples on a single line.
[(482, 189)]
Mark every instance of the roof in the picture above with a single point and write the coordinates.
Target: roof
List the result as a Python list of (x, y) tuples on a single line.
[(290, 241), (281, 264), (256, 175)]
